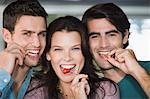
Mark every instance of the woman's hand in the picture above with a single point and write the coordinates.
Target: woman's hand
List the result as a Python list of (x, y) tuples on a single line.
[(80, 87)]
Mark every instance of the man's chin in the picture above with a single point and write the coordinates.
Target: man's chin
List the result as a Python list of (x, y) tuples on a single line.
[(31, 64), (103, 64), (101, 58), (102, 61)]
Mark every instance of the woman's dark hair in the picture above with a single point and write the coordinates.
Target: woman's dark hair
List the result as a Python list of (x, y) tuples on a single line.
[(69, 23), (112, 13)]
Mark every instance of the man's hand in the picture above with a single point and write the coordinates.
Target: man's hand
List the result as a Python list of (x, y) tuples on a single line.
[(124, 59), (11, 57)]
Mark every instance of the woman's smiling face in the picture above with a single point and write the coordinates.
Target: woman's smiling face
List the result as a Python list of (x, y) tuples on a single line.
[(66, 55)]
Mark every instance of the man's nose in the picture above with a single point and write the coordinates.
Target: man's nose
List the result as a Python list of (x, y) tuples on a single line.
[(36, 41), (104, 42)]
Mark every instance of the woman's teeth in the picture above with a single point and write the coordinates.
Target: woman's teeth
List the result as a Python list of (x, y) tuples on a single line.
[(67, 68)]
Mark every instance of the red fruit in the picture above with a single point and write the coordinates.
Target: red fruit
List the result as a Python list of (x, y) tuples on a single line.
[(66, 70)]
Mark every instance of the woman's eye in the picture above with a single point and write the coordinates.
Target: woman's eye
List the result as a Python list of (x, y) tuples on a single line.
[(57, 49), (77, 48)]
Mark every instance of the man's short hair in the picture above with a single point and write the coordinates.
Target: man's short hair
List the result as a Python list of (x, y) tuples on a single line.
[(19, 8), (112, 13)]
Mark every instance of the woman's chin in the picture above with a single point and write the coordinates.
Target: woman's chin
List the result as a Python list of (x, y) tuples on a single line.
[(67, 78)]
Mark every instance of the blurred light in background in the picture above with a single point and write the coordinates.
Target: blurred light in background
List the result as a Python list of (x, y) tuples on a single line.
[(139, 39), (138, 12)]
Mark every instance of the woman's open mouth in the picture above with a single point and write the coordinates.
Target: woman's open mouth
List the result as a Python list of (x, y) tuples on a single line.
[(67, 68)]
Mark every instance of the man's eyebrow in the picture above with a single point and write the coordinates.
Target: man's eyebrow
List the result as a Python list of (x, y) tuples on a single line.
[(30, 31), (97, 33), (44, 31), (112, 31), (94, 33), (27, 31)]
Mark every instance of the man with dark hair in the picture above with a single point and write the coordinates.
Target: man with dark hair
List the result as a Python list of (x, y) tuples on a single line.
[(24, 31), (108, 30)]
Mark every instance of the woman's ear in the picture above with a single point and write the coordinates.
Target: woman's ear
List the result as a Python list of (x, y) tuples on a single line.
[(6, 35), (126, 37), (48, 57)]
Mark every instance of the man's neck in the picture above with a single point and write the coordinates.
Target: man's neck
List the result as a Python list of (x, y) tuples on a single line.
[(19, 76), (114, 74)]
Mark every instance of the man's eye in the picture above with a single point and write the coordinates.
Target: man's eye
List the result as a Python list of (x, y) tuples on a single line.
[(112, 34), (27, 34), (94, 36), (43, 34)]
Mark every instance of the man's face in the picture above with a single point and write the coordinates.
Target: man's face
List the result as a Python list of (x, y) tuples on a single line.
[(30, 34), (103, 37)]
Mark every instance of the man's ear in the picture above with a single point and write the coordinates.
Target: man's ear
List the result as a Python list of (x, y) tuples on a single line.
[(6, 35), (126, 37), (48, 57)]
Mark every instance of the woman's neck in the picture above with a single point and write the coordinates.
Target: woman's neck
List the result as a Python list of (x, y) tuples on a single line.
[(65, 90)]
